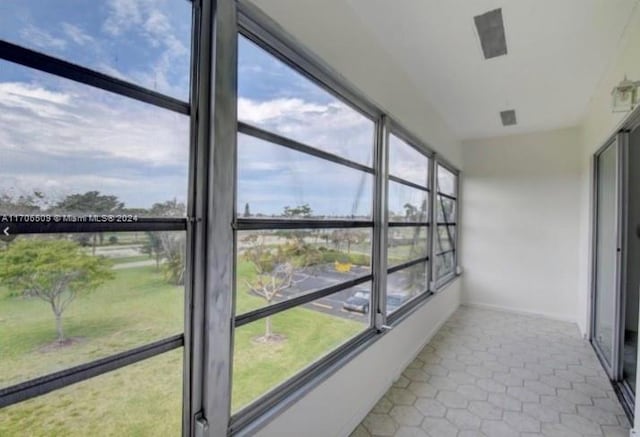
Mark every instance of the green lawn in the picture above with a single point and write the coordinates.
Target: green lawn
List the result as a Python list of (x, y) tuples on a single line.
[(135, 308), (131, 259)]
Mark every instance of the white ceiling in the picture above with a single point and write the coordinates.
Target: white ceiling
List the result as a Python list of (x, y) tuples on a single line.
[(557, 52)]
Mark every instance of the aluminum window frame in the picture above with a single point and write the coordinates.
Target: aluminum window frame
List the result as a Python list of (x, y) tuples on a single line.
[(439, 284), (412, 141), (52, 381), (211, 223)]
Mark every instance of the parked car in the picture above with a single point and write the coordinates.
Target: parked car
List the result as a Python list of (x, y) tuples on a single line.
[(359, 302), (395, 301)]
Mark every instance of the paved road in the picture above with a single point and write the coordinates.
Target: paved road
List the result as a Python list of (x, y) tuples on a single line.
[(326, 276), (134, 264), (322, 277)]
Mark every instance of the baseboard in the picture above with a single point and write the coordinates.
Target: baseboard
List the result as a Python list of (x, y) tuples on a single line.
[(550, 316), (348, 429)]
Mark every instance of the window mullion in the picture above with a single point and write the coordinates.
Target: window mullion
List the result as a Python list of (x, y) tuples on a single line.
[(433, 219), (214, 210), (380, 231)]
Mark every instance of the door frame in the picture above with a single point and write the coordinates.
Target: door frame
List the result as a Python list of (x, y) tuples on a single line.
[(612, 367)]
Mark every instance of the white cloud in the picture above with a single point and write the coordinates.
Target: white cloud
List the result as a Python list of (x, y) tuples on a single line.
[(333, 127), (149, 20), (80, 120), (76, 34), (122, 15), (41, 39), (75, 139)]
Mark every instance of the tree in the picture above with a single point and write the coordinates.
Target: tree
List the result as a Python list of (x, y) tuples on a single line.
[(153, 247), (23, 204), (276, 270), (169, 247), (273, 273), (173, 248), (412, 213), (247, 211), (300, 211), (91, 202), (297, 212), (54, 271)]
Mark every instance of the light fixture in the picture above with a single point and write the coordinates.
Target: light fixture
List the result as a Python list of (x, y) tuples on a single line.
[(625, 95), (491, 33)]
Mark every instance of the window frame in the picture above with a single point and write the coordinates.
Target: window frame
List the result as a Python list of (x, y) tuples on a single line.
[(440, 283), (50, 382), (212, 223)]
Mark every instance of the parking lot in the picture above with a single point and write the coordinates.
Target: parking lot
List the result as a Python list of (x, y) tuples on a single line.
[(324, 276)]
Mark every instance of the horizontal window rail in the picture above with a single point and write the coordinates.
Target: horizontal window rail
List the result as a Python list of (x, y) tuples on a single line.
[(408, 307), (53, 381), (407, 264), (246, 224), (70, 227), (408, 183), (446, 252), (447, 224), (276, 308), (448, 196), (445, 279), (271, 137), (407, 224), (49, 64)]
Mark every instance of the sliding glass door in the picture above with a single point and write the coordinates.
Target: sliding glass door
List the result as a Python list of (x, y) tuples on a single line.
[(606, 296)]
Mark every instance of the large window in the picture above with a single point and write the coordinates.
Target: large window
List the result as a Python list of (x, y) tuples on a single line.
[(94, 175), (445, 255), (408, 217), (182, 255), (305, 220)]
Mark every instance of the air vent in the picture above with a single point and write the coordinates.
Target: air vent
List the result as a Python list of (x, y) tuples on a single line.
[(491, 32), (508, 117)]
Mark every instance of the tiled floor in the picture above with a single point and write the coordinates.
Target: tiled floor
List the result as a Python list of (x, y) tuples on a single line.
[(494, 374)]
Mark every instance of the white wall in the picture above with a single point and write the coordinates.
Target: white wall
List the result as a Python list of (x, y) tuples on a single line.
[(336, 406), (520, 222)]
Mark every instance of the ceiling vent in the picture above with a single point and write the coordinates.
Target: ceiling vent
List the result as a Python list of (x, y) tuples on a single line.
[(491, 32), (508, 117)]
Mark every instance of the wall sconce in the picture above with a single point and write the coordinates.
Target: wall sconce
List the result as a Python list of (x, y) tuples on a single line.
[(625, 95)]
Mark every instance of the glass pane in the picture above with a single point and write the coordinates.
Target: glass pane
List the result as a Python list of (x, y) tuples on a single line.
[(445, 238), (406, 284), (145, 42), (275, 97), (407, 163), (406, 244), (277, 265), (137, 400), (444, 264), (71, 148), (446, 181), (69, 299), (267, 352), (606, 251), (445, 210), (407, 204), (274, 181)]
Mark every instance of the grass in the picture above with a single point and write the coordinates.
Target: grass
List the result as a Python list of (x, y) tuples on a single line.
[(131, 259), (135, 308)]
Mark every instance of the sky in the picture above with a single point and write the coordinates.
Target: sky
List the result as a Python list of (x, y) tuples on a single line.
[(60, 137)]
